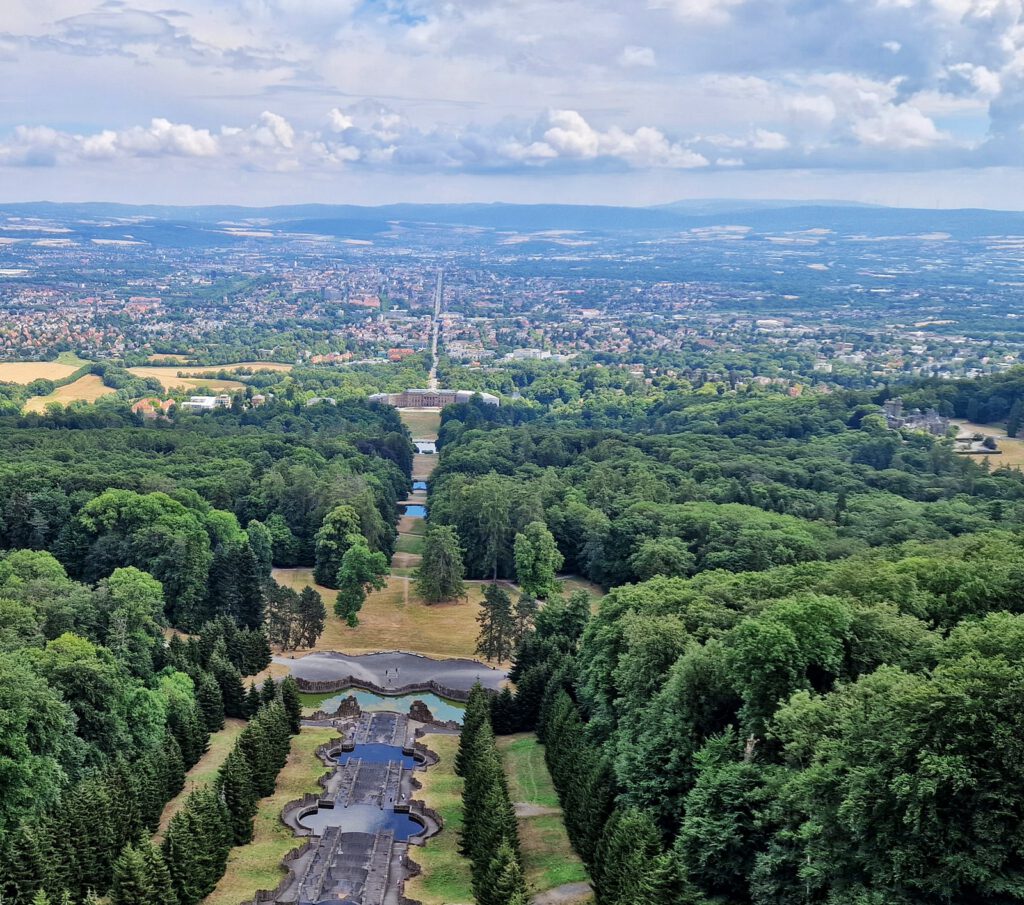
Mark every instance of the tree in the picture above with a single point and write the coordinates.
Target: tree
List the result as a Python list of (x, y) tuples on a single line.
[(248, 588), (439, 576), (337, 533), (262, 543), (537, 560), (211, 702), (361, 570), (131, 883), (292, 703), (496, 639), (311, 617), (234, 782), (525, 613), (282, 609)]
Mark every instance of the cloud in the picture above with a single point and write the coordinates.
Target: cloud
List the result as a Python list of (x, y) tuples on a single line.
[(633, 56), (716, 12)]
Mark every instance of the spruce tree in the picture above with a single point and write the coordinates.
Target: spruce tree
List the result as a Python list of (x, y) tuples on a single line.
[(268, 691), (234, 781), (292, 703), (130, 884), (230, 681), (497, 625), (311, 617), (158, 875), (211, 702), (503, 880), (172, 768), (256, 650), (248, 588), (439, 576), (253, 701)]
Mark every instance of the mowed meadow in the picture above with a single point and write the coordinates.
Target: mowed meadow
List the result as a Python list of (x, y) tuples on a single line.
[(86, 389), (188, 377)]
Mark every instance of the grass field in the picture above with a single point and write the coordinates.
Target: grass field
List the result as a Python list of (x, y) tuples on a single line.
[(548, 857), (258, 865), (410, 543), (445, 879), (1012, 455), (73, 359), (25, 372), (170, 379), (396, 619), (408, 524), (423, 425), (423, 467), (86, 389), (204, 772)]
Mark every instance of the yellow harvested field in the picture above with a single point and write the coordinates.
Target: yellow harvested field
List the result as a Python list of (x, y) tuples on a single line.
[(86, 389), (24, 372), (396, 619), (185, 377), (423, 467), (258, 865)]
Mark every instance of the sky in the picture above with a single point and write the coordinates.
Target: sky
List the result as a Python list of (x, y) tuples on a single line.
[(902, 102)]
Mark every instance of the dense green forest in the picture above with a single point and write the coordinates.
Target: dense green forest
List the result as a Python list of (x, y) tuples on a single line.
[(806, 682), (112, 533)]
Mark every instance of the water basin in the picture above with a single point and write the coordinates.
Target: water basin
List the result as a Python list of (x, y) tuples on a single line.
[(377, 754), (415, 510), (419, 485), (362, 818), (442, 709)]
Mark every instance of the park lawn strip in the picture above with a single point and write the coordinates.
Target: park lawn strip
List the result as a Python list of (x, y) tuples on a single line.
[(258, 865), (445, 877), (548, 857), (205, 770), (423, 425), (410, 543), (387, 622)]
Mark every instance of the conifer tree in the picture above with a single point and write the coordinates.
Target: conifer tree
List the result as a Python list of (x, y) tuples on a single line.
[(439, 576), (497, 625), (248, 588), (311, 617), (230, 681), (503, 880), (234, 782), (256, 650), (268, 691), (158, 875), (292, 703), (253, 701), (130, 884), (211, 702)]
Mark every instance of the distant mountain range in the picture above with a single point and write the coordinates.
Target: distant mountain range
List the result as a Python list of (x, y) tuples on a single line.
[(844, 218)]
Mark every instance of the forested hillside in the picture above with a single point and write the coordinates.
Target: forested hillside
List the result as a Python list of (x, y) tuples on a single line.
[(112, 534), (806, 682)]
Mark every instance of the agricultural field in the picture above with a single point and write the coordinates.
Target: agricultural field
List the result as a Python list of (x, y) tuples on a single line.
[(185, 377), (86, 389), (258, 865), (24, 372), (548, 857), (396, 619), (445, 878)]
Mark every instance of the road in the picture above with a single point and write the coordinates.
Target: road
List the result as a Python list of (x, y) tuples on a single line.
[(435, 326)]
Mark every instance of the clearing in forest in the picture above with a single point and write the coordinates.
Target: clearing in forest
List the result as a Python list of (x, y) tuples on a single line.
[(86, 389)]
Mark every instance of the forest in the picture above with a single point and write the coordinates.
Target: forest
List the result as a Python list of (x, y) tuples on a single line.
[(805, 682), (115, 535)]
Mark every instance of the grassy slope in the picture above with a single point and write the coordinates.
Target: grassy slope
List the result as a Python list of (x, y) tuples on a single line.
[(204, 772), (445, 879), (258, 865), (396, 619), (548, 857)]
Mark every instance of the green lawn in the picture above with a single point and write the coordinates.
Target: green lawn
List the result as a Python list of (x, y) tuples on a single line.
[(445, 879), (410, 543), (548, 856), (72, 358)]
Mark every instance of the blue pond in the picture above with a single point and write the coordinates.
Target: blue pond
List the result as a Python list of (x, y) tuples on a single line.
[(363, 818), (419, 485), (377, 754), (415, 510), (441, 708)]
